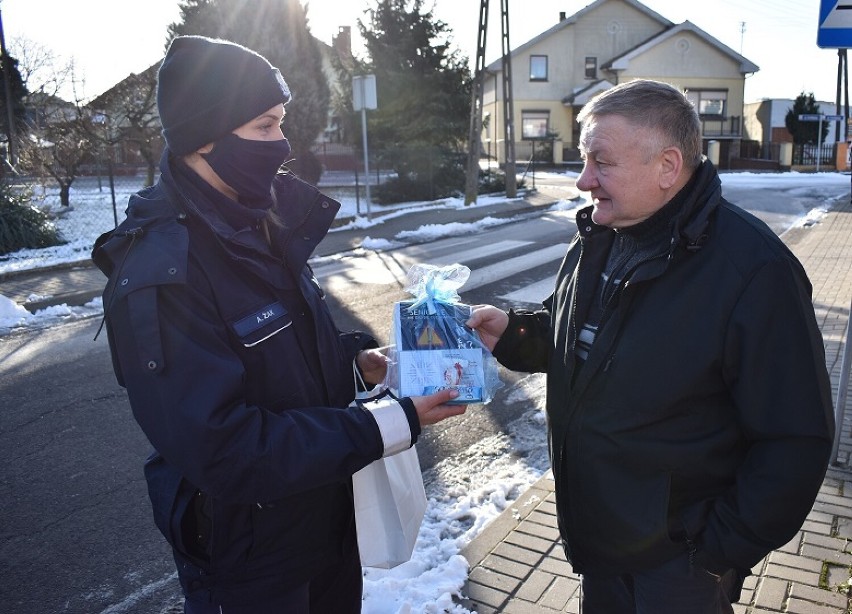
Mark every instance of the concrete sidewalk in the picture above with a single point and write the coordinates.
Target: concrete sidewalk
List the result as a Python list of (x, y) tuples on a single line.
[(517, 565)]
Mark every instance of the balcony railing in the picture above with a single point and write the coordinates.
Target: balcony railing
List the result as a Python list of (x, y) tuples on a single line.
[(721, 126)]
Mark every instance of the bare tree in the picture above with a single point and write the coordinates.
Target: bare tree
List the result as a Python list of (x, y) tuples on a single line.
[(129, 117), (60, 147), (54, 139), (41, 69)]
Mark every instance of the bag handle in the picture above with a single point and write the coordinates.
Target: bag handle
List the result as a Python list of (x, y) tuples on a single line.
[(359, 380), (365, 393)]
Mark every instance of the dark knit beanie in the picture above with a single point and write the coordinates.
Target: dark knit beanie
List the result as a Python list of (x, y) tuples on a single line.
[(208, 87)]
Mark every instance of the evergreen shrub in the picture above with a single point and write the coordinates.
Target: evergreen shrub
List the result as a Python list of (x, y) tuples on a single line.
[(22, 226), (423, 176)]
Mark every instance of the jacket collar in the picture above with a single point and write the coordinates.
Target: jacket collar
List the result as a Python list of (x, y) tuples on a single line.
[(691, 227), (699, 198), (305, 213)]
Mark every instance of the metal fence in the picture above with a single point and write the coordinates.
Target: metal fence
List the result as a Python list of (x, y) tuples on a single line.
[(98, 197), (811, 154), (97, 204)]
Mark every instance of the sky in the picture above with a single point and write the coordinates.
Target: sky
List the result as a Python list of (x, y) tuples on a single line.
[(465, 492), (110, 39)]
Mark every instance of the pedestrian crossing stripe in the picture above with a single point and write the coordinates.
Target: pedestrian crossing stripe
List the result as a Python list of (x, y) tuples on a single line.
[(379, 269), (507, 268), (533, 293)]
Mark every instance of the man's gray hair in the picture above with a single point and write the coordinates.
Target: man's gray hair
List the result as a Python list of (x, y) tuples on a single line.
[(655, 105)]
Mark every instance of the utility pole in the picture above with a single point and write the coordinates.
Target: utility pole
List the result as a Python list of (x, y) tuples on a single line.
[(742, 34), (472, 184), (10, 111), (508, 106)]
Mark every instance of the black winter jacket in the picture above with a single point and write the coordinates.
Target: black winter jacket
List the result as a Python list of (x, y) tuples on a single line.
[(702, 419), (241, 381)]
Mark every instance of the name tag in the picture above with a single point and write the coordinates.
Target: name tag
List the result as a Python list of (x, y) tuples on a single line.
[(259, 319)]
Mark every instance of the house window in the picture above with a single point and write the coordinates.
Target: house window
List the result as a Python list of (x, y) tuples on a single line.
[(534, 124), (538, 68), (591, 67), (709, 103)]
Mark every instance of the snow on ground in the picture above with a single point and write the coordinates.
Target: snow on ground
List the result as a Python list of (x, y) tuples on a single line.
[(92, 213), (15, 317), (466, 492)]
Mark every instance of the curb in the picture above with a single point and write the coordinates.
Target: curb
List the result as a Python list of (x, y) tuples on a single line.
[(62, 266), (72, 299)]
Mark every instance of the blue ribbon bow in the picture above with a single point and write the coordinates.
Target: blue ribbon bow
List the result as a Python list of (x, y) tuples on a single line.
[(429, 284)]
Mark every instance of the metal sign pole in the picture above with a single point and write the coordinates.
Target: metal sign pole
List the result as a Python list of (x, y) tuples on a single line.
[(366, 157), (819, 142), (363, 98)]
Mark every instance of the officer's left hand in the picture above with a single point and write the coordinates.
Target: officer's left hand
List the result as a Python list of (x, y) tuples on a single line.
[(373, 365)]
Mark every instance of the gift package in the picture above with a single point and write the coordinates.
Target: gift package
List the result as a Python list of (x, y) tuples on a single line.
[(432, 347)]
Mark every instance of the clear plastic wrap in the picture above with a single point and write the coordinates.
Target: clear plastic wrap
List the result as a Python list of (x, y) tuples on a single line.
[(431, 348)]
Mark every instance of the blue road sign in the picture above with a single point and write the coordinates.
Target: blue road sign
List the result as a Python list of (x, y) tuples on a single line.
[(819, 117), (835, 24)]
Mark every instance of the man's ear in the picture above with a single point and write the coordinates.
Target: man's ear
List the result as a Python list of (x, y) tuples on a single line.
[(671, 165)]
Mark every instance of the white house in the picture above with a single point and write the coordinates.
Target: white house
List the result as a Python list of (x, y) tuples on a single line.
[(606, 43)]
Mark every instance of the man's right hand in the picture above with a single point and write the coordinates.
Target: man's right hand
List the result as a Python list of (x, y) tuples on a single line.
[(489, 322)]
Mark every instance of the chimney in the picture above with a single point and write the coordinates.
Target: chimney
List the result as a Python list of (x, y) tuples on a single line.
[(343, 41), (562, 15), (342, 44)]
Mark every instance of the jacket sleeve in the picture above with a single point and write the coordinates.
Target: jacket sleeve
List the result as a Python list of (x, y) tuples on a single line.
[(525, 344), (356, 342), (185, 385), (774, 366)]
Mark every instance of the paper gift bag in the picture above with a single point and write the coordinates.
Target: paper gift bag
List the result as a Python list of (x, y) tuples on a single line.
[(390, 503)]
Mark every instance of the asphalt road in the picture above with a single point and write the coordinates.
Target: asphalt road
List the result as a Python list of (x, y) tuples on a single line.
[(76, 533)]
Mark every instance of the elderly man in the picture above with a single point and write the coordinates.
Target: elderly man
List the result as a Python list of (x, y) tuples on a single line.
[(689, 407)]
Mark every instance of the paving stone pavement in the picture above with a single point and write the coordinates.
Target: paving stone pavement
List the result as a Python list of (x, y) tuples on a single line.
[(517, 565)]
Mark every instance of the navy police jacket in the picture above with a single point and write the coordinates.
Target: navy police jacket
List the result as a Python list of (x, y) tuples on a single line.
[(241, 381)]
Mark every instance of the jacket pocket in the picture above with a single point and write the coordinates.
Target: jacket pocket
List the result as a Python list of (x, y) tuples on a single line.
[(261, 324), (197, 527), (170, 496), (298, 528)]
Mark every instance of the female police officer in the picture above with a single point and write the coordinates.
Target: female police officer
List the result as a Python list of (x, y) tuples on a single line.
[(233, 366)]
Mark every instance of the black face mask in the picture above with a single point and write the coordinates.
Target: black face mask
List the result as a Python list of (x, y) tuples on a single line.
[(248, 167)]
